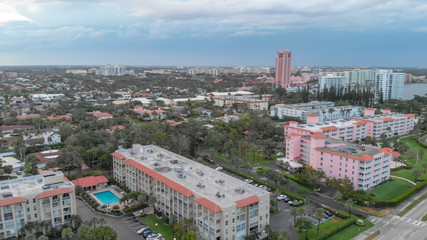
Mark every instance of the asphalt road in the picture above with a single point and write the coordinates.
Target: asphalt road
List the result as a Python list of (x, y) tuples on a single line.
[(408, 227)]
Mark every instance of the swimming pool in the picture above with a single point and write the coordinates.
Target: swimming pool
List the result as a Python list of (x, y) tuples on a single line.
[(107, 197)]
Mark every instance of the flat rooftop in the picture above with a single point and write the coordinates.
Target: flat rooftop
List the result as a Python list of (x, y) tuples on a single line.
[(21, 187), (317, 127), (214, 185), (379, 117), (343, 147)]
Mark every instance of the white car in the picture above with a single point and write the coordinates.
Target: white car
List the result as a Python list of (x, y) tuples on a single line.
[(249, 181), (281, 197), (219, 168)]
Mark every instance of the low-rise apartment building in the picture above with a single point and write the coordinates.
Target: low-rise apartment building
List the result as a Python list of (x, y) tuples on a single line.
[(322, 111), (220, 206), (254, 102), (48, 197), (356, 128), (365, 166)]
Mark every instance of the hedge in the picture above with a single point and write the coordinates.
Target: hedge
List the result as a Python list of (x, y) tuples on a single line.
[(336, 212), (259, 181), (408, 166), (407, 193), (135, 208), (421, 143)]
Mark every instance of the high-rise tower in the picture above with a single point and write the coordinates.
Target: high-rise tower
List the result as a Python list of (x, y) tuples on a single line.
[(283, 68)]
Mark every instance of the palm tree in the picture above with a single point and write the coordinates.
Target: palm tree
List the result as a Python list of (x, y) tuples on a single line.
[(294, 213), (31, 237), (331, 111), (301, 212), (416, 173), (44, 225), (102, 221), (93, 221), (349, 204), (337, 197), (67, 233), (74, 219), (29, 227), (318, 214)]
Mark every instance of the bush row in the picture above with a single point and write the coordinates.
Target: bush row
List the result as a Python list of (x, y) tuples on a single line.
[(92, 202), (259, 181), (135, 208), (408, 166), (407, 193)]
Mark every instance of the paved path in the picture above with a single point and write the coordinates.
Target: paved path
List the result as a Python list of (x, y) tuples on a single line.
[(404, 179)]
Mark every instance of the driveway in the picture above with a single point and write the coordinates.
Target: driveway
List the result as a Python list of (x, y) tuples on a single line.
[(125, 228)]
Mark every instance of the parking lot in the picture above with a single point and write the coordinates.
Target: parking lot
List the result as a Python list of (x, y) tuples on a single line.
[(125, 226)]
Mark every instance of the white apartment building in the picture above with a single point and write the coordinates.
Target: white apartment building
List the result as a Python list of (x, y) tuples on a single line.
[(325, 111), (254, 102), (389, 84), (220, 206), (330, 80), (48, 197)]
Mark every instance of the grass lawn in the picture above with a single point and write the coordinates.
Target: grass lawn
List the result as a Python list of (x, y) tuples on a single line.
[(162, 227), (135, 120), (414, 147), (390, 189), (325, 227), (351, 231)]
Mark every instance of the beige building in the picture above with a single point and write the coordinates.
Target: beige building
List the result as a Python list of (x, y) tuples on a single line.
[(47, 197), (220, 206)]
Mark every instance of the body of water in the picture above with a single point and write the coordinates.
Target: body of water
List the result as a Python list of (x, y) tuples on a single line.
[(409, 90)]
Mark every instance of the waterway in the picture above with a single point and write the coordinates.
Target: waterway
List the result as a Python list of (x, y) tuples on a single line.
[(409, 90)]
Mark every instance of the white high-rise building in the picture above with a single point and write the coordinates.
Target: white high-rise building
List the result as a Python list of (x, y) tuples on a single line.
[(389, 84), (337, 81)]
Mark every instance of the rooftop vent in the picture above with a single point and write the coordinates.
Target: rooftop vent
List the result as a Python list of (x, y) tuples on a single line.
[(220, 181), (45, 187), (4, 187), (180, 175), (174, 161), (7, 195), (156, 164), (200, 185)]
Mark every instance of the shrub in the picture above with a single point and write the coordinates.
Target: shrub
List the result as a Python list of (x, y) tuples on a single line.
[(298, 204), (116, 207), (134, 208)]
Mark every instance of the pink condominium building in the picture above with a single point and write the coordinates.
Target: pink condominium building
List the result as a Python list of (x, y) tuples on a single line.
[(356, 128), (326, 146), (365, 166), (283, 68)]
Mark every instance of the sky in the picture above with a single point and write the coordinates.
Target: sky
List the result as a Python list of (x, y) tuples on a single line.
[(391, 33)]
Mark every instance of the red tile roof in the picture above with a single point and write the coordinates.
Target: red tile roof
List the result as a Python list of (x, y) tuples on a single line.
[(90, 181), (54, 192), (44, 157), (28, 116), (312, 115), (118, 155), (359, 123), (388, 119), (11, 201), (410, 115), (395, 154), (101, 114), (208, 204), (247, 201), (370, 108), (296, 134), (317, 136), (159, 177), (330, 128)]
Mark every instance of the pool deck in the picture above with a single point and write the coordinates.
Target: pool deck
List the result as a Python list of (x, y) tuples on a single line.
[(108, 188)]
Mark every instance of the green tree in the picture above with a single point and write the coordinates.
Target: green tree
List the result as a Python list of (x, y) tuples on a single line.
[(294, 213), (283, 235), (416, 173), (69, 160), (319, 215), (190, 236), (42, 237), (274, 176), (337, 197), (182, 227), (304, 225), (32, 161), (301, 212), (424, 166), (349, 204), (67, 233), (31, 237)]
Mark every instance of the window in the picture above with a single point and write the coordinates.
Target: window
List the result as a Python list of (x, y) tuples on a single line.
[(35, 208), (226, 223), (35, 215), (34, 200)]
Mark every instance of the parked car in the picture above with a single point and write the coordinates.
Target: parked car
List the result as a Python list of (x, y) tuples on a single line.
[(291, 202), (142, 229), (19, 173), (219, 168), (295, 201), (249, 181), (281, 197), (146, 232)]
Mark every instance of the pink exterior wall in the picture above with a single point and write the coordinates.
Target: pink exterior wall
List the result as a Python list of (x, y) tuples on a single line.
[(312, 118), (283, 68), (363, 174), (369, 111)]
